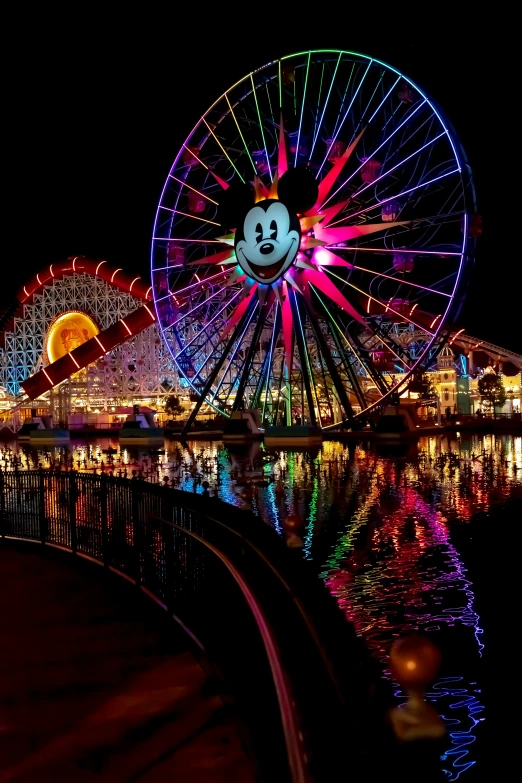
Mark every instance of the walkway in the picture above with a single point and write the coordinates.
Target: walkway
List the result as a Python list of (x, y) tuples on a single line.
[(96, 684)]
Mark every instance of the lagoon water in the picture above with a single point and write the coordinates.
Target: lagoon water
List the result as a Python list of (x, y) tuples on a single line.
[(418, 536)]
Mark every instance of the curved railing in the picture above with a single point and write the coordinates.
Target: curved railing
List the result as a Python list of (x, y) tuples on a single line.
[(239, 592)]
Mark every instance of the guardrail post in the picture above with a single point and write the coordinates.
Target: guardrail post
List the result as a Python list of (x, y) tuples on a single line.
[(104, 526), (2, 504), (137, 528), (41, 506), (73, 495)]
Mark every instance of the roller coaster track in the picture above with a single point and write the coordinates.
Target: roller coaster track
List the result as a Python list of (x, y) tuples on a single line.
[(468, 343)]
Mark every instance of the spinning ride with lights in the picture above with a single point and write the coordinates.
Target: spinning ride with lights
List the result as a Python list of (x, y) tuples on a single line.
[(312, 240)]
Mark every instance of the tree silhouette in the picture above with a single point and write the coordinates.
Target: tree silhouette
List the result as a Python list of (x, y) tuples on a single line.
[(173, 405), (491, 389)]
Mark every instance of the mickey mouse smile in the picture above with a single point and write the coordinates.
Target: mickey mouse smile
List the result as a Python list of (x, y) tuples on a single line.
[(270, 271), (268, 242)]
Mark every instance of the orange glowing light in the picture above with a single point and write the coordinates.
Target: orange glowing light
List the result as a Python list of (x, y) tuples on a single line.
[(149, 312), (125, 325), (68, 332), (455, 336), (100, 343)]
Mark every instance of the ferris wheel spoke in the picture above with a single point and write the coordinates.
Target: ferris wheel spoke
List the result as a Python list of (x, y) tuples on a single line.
[(369, 369), (394, 251), (402, 162), (384, 143), (365, 362), (401, 281), (306, 371), (188, 240), (399, 196), (247, 365), (195, 285), (200, 306), (273, 341), (325, 106), (244, 322), (378, 301), (332, 368), (223, 150), (247, 152), (219, 361)]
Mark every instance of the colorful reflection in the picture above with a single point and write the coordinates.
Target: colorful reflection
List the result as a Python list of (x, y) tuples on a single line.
[(378, 525)]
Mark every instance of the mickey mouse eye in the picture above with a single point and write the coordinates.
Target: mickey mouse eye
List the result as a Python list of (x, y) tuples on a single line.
[(259, 232), (273, 230)]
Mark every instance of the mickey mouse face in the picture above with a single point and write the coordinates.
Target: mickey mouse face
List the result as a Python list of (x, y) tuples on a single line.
[(268, 242)]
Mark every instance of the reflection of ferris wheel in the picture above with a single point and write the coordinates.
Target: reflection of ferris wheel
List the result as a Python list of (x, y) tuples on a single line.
[(311, 240)]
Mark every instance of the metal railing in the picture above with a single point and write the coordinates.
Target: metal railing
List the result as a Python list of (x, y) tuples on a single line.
[(222, 573)]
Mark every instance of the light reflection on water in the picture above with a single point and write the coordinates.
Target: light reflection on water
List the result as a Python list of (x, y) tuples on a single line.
[(377, 525)]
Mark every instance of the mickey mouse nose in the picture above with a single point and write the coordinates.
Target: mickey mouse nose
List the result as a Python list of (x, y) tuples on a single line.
[(266, 248)]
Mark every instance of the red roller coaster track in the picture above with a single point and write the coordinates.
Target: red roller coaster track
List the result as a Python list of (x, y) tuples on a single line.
[(99, 345)]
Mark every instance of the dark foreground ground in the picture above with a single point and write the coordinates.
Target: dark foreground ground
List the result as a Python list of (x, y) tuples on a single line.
[(96, 683)]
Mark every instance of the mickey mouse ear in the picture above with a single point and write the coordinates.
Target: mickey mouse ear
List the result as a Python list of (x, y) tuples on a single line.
[(298, 189), (234, 203)]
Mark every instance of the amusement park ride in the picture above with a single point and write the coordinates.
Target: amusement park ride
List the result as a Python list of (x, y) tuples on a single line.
[(311, 252)]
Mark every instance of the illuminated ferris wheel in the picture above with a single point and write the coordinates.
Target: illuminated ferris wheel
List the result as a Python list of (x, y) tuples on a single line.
[(312, 240)]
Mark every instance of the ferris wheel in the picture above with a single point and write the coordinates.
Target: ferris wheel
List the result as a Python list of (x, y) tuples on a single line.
[(312, 240)]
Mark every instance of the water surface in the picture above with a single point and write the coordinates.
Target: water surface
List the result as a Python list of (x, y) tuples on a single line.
[(416, 537)]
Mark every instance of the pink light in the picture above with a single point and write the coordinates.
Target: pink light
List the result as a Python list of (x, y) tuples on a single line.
[(322, 256), (413, 308), (136, 278), (454, 338), (115, 273), (125, 325), (147, 294), (51, 270), (74, 360), (46, 375), (99, 343), (38, 278), (99, 265), (149, 312), (435, 320)]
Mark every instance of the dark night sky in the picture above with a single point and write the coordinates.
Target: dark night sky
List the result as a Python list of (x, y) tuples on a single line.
[(95, 117)]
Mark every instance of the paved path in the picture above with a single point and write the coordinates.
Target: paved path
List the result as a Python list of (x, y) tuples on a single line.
[(96, 684)]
